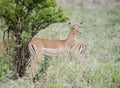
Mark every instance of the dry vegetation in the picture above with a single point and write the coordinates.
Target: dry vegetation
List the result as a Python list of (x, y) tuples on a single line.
[(100, 68)]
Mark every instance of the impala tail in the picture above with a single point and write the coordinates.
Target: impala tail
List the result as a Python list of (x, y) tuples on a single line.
[(32, 50), (82, 49)]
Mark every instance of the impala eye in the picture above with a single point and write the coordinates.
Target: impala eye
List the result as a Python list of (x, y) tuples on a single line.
[(73, 28)]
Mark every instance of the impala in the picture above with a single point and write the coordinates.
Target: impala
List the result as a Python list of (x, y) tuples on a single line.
[(78, 47), (44, 47), (4, 45)]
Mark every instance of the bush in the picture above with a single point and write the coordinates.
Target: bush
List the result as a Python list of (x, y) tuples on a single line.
[(6, 65)]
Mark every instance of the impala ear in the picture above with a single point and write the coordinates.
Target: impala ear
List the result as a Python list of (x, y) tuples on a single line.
[(69, 23)]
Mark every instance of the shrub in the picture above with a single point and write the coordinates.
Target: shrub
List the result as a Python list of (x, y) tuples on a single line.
[(6, 65)]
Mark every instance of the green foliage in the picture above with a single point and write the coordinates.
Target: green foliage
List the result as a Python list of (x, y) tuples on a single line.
[(25, 37), (6, 65), (30, 16), (114, 14), (116, 49), (106, 75), (42, 68)]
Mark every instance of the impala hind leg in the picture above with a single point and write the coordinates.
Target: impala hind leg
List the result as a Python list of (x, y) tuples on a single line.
[(70, 54), (33, 64), (82, 55), (69, 57)]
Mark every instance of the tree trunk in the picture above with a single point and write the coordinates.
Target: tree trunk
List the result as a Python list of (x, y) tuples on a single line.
[(21, 58)]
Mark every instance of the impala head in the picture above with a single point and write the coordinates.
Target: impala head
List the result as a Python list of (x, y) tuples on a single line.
[(75, 29)]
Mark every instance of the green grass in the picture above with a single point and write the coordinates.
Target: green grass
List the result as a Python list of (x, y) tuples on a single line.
[(100, 68)]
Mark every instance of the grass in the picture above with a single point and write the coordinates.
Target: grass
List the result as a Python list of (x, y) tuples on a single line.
[(100, 68)]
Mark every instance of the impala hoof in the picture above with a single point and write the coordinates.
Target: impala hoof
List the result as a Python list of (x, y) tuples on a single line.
[(34, 79)]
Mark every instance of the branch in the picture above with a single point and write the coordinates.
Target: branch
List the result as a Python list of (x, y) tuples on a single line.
[(29, 9)]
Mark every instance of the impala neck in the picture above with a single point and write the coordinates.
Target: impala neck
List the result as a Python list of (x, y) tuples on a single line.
[(70, 39)]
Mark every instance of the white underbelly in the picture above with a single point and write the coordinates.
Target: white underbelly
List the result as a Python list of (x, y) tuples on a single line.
[(53, 52)]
